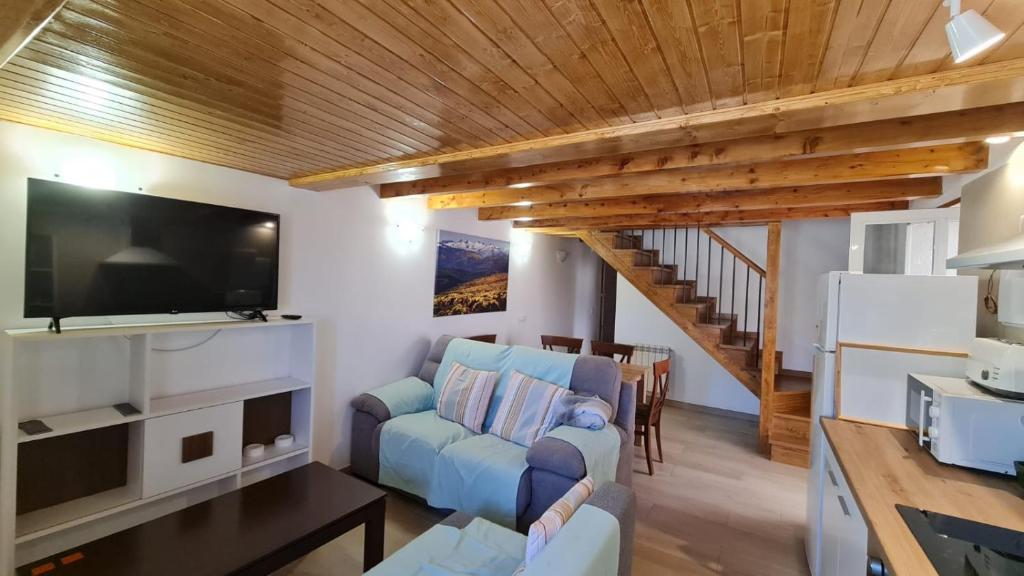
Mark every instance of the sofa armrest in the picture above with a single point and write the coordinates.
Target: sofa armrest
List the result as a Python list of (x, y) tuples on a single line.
[(558, 456), (625, 418), (620, 502), (407, 396), (577, 452)]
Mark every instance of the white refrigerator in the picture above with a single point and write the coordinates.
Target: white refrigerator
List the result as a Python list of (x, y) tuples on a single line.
[(929, 312)]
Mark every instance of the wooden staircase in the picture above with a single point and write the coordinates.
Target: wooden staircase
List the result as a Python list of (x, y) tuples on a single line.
[(663, 276)]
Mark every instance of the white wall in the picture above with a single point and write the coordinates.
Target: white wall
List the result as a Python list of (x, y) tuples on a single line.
[(343, 261), (809, 249), (376, 291)]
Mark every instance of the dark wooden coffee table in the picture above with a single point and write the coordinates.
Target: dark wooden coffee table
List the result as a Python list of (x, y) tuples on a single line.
[(254, 530)]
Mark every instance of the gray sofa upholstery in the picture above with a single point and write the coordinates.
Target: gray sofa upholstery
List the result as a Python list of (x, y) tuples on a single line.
[(554, 465)]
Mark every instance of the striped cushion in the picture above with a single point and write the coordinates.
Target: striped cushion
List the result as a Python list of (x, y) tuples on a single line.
[(465, 395), (528, 410), (547, 526)]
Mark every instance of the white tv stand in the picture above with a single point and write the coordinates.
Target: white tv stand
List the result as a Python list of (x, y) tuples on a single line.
[(195, 393)]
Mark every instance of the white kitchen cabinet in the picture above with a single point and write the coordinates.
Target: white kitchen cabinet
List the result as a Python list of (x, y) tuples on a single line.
[(844, 546)]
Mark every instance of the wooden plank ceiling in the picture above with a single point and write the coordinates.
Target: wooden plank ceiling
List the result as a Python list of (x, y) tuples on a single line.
[(293, 88), (563, 115)]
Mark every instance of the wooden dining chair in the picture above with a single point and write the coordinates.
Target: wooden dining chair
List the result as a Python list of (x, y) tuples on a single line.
[(648, 415), (610, 349), (489, 338), (571, 345)]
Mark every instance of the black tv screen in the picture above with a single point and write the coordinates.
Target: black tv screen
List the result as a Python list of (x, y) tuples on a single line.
[(105, 253)]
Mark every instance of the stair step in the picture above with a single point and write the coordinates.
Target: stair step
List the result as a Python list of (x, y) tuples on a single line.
[(792, 455)]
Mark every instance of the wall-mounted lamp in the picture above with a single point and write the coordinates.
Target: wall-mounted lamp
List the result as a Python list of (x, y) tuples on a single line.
[(969, 33), (522, 245), (407, 222), (89, 170), (561, 256)]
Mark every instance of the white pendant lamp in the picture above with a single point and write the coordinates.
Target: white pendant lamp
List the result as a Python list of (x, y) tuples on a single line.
[(969, 33)]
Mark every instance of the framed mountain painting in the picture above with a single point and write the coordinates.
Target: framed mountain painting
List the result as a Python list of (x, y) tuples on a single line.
[(472, 275)]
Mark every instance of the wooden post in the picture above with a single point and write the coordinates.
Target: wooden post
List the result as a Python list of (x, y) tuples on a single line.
[(771, 317)]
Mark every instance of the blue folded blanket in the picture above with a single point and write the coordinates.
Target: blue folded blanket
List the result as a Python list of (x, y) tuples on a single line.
[(588, 412)]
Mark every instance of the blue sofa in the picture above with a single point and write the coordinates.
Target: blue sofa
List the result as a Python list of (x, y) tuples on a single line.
[(596, 541), (427, 450)]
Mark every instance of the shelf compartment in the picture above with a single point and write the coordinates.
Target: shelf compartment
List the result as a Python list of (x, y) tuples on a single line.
[(62, 517), (82, 421), (206, 398), (47, 520), (273, 454)]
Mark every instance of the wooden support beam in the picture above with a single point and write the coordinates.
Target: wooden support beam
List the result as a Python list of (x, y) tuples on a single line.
[(956, 89), (943, 159), (792, 197), (20, 21), (771, 326), (945, 127), (707, 218)]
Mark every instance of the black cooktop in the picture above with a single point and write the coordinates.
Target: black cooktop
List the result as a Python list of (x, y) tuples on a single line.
[(958, 547)]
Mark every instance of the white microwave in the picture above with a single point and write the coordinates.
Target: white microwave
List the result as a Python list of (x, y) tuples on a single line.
[(961, 424)]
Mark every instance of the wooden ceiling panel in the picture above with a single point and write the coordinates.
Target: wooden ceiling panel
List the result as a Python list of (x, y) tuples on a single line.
[(763, 23), (717, 25), (628, 25), (673, 27), (295, 88), (901, 26)]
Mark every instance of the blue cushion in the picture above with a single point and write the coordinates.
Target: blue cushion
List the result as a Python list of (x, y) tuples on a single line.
[(480, 476), (409, 449)]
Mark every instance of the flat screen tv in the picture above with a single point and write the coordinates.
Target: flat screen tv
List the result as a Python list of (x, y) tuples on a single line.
[(105, 253)]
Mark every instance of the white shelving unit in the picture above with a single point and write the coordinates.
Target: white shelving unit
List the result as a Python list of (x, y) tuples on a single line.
[(183, 379)]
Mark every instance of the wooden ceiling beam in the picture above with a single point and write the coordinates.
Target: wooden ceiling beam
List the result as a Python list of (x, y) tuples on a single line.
[(889, 164), (725, 217), (944, 127), (792, 197), (957, 89), (21, 21)]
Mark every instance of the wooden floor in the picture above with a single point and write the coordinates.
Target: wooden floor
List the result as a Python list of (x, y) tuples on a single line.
[(714, 507)]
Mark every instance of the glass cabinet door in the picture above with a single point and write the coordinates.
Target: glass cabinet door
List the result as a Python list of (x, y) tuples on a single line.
[(913, 242)]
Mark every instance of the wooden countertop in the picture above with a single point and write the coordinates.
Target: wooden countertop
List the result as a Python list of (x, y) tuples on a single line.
[(885, 467)]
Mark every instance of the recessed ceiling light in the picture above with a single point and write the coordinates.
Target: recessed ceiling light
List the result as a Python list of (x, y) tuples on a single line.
[(524, 219), (523, 203), (269, 225), (521, 185), (997, 139), (969, 33)]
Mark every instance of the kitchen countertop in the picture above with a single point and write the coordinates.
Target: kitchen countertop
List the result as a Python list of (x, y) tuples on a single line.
[(885, 467)]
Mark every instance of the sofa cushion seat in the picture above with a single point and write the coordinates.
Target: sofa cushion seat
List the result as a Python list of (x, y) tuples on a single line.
[(481, 548), (480, 476), (588, 545), (410, 446)]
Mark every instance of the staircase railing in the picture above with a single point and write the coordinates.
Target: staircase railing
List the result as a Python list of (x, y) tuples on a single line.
[(728, 281)]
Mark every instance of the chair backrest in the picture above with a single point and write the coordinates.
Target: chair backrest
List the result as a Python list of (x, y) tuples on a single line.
[(571, 345), (610, 349), (659, 389), (489, 338)]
